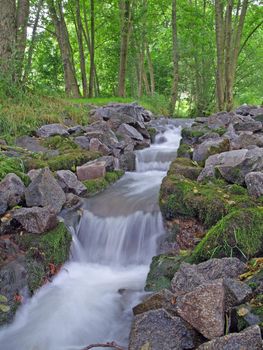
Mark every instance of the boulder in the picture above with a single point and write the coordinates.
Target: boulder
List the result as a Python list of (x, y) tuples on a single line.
[(76, 130), (249, 339), (112, 163), (51, 130), (33, 173), (70, 183), (210, 147), (254, 183), (82, 142), (188, 277), (36, 219), (204, 308), (207, 173), (164, 299), (127, 161), (128, 130), (91, 170), (246, 139), (103, 132), (247, 124), (12, 191), (30, 143), (45, 191), (240, 291), (234, 165), (157, 329), (72, 201), (97, 146)]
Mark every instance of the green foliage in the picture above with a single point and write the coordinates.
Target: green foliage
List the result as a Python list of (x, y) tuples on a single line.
[(240, 234), (98, 185), (12, 165)]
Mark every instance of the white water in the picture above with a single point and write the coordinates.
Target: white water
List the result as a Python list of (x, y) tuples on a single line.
[(90, 301)]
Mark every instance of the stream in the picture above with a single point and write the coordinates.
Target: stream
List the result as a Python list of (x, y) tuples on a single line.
[(115, 235)]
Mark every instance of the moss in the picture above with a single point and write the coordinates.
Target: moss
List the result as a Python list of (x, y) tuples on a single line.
[(162, 270), (184, 151), (13, 165), (41, 250), (208, 202), (193, 133), (69, 160), (60, 143), (221, 131), (185, 167), (152, 132), (95, 186), (239, 234)]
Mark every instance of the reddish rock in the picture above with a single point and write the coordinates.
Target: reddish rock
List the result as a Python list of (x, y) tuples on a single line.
[(91, 170)]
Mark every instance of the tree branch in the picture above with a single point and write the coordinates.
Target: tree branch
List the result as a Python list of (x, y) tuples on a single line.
[(111, 345), (249, 36)]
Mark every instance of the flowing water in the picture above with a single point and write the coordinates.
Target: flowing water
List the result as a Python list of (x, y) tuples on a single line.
[(91, 299)]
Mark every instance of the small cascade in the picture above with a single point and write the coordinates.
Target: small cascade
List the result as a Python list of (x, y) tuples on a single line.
[(91, 299)]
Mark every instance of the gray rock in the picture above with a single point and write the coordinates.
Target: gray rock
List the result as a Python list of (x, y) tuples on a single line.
[(158, 330), (254, 183), (244, 140), (91, 170), (70, 183), (30, 143), (51, 130), (204, 308), (97, 146), (101, 131), (209, 147), (82, 142), (249, 339), (127, 161), (247, 124), (240, 291), (112, 163), (233, 166), (36, 219), (12, 191), (209, 136), (72, 201), (45, 191), (160, 300), (33, 173), (130, 131), (207, 173), (76, 130), (188, 277)]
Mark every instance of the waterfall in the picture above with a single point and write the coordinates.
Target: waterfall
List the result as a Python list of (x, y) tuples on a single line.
[(91, 299)]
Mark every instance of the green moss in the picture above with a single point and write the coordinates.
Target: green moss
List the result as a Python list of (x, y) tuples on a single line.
[(185, 167), (221, 131), (13, 165), (208, 202), (239, 234), (95, 186), (184, 151), (162, 270), (69, 160), (193, 133), (41, 250), (152, 132), (60, 143)]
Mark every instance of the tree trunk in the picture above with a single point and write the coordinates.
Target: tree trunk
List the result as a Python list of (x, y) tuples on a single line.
[(57, 15), (81, 50), (32, 44), (7, 34), (220, 74), (125, 15), (151, 69), (175, 82), (22, 14), (92, 49)]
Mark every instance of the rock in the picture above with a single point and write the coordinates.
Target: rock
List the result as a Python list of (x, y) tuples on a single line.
[(91, 170), (249, 339), (51, 130), (254, 183), (33, 173), (210, 147), (130, 131), (112, 163), (209, 136), (190, 276), (96, 145), (101, 131), (185, 167), (245, 140), (36, 219), (70, 183), (72, 201), (82, 142), (163, 299), (127, 161), (204, 308), (30, 143), (155, 330), (44, 191), (13, 279), (246, 315), (76, 130), (247, 124), (239, 290), (234, 165), (12, 191), (207, 173)]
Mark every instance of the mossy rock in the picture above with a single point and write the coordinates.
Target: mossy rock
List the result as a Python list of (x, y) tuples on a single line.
[(61, 143), (95, 186), (152, 132), (193, 133), (208, 202), (12, 165), (238, 234), (41, 250), (185, 151), (185, 167), (69, 160), (162, 270)]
